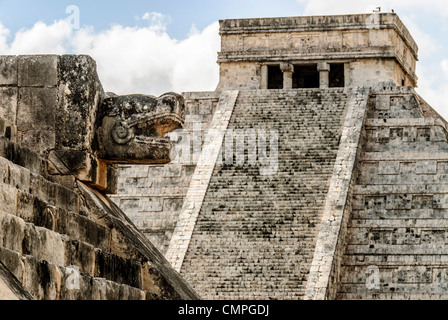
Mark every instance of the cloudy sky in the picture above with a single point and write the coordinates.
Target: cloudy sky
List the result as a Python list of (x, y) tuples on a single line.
[(155, 46)]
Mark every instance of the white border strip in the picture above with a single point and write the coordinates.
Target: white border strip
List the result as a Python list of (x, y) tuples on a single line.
[(334, 218), (201, 177)]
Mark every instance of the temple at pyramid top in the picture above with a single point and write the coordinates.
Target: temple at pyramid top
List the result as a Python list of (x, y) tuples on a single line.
[(316, 52)]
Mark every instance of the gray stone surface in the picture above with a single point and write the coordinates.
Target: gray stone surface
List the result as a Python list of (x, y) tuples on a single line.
[(255, 234), (53, 225), (8, 67), (37, 70), (355, 207), (324, 271), (397, 225), (186, 221)]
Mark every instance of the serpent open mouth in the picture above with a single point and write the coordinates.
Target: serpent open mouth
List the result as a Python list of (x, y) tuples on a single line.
[(134, 129)]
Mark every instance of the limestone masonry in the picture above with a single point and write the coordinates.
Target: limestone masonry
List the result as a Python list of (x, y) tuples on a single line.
[(313, 171)]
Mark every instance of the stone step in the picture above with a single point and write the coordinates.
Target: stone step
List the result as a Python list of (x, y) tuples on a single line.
[(61, 250), (403, 221), (386, 260), (397, 156), (402, 249), (391, 296), (25, 180), (60, 284), (249, 224), (21, 156), (401, 189), (397, 291)]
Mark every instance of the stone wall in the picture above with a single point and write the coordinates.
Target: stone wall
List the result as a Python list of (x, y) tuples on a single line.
[(375, 47), (48, 229), (396, 234), (152, 196), (324, 274), (255, 233), (60, 237)]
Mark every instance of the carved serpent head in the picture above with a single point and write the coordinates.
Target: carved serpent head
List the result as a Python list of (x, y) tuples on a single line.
[(132, 128)]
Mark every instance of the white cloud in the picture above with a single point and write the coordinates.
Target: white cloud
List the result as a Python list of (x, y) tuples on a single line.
[(196, 59), (157, 21), (444, 65), (130, 59), (432, 68), (426, 43), (4, 33), (42, 38), (434, 90), (145, 59)]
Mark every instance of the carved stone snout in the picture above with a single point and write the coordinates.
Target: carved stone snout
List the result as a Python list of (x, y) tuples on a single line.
[(132, 127)]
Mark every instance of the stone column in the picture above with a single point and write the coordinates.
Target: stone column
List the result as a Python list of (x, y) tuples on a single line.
[(264, 77), (287, 69), (324, 71)]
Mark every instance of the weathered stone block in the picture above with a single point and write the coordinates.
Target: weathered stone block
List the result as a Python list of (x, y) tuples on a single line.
[(191, 108), (33, 210), (8, 103), (440, 201), (42, 279), (13, 232), (388, 167), (53, 193), (409, 134), (8, 70), (82, 228), (129, 293), (173, 205), (99, 289), (423, 134), (130, 205), (420, 274), (44, 244), (151, 204), (38, 71), (8, 196), (80, 93), (8, 130), (205, 107), (396, 134), (426, 167), (434, 236), (82, 255), (21, 156), (118, 269), (13, 261), (375, 202), (61, 219), (438, 134), (379, 236), (422, 201), (74, 287), (36, 118), (405, 236), (172, 170), (112, 290), (19, 177), (383, 102), (399, 201), (4, 171)]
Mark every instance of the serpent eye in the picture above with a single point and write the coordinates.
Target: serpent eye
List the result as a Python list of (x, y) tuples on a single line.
[(121, 133)]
